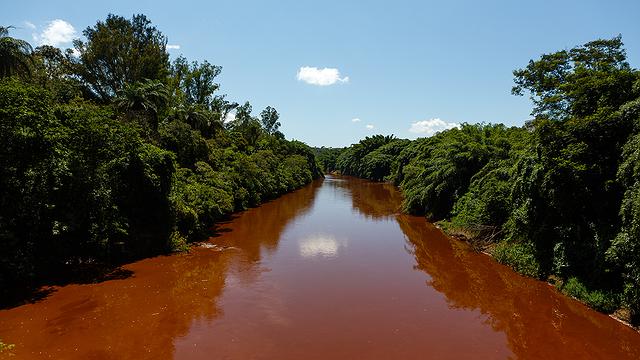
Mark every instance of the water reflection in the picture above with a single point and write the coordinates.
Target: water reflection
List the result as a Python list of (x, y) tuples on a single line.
[(372, 200), (539, 323), (319, 245)]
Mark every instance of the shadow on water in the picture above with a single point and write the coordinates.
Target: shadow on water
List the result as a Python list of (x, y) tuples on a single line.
[(83, 274), (97, 272), (538, 321), (158, 300), (260, 229)]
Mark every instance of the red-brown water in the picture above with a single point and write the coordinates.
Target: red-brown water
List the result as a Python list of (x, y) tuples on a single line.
[(331, 271)]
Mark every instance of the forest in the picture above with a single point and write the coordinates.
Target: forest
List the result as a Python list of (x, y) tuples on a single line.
[(558, 198), (110, 152)]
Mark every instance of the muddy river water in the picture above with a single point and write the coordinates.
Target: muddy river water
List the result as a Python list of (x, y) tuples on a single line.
[(331, 271)]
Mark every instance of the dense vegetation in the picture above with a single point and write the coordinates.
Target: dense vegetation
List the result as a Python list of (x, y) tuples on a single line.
[(557, 198), (112, 151)]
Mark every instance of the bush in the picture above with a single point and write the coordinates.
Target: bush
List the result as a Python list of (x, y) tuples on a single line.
[(597, 299), (200, 198), (520, 256)]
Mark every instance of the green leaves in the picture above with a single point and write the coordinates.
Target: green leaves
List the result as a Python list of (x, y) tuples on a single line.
[(441, 172), (118, 52), (577, 82), (15, 55)]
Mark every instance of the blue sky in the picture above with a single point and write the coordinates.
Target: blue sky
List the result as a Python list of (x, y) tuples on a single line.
[(399, 65)]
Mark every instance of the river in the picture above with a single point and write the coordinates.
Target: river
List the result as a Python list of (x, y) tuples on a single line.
[(331, 271)]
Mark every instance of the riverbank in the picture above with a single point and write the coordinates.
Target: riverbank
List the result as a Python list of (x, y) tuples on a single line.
[(486, 244)]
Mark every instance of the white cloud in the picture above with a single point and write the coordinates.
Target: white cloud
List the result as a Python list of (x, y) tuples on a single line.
[(320, 77), (370, 127), (355, 120), (56, 33), (229, 117), (431, 126), (173, 47), (30, 25)]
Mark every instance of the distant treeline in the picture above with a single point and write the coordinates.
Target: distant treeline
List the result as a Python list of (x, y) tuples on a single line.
[(111, 152), (558, 198)]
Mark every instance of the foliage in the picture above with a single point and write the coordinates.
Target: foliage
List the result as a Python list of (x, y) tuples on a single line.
[(269, 120), (51, 70), (76, 184), (14, 55), (327, 157), (117, 52), (578, 82), (141, 102), (351, 160), (194, 83), (599, 300), (188, 144), (201, 198), (520, 256), (625, 249), (441, 173)]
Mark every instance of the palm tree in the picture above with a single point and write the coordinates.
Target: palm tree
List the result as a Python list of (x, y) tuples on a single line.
[(15, 54), (199, 118), (143, 99)]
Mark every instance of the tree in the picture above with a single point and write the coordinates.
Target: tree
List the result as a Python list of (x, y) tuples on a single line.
[(194, 83), (119, 51), (143, 99), (269, 120), (200, 118), (15, 54), (51, 70), (577, 82), (243, 114)]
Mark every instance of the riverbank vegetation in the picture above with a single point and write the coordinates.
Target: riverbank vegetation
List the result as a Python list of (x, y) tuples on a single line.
[(558, 198), (113, 151)]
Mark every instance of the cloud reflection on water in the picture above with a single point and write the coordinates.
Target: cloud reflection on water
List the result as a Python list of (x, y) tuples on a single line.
[(322, 245)]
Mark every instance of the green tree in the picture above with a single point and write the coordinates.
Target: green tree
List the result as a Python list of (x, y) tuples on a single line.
[(194, 83), (566, 196), (118, 52), (15, 55), (51, 70), (142, 100), (577, 82), (269, 120), (197, 116)]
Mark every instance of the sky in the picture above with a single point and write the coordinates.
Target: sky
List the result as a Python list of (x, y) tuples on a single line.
[(338, 71)]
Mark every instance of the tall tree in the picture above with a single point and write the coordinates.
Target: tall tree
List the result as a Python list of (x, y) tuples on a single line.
[(120, 51), (577, 82), (269, 119), (15, 54), (195, 83)]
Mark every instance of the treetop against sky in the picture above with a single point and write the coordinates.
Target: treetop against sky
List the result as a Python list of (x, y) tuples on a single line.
[(340, 71)]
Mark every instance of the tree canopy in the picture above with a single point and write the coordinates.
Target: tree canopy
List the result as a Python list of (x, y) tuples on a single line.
[(117, 52)]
